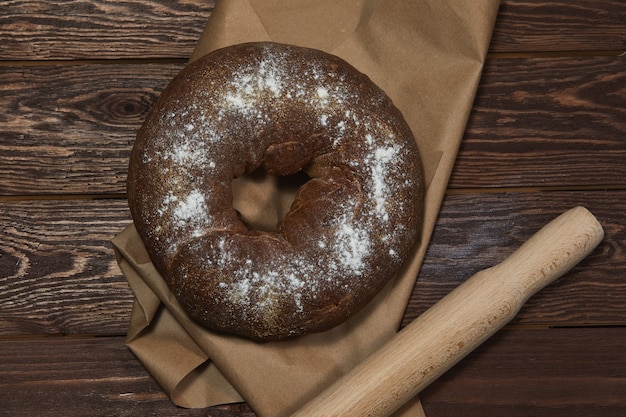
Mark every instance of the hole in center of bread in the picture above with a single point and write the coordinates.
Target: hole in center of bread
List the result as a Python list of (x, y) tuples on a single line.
[(263, 200)]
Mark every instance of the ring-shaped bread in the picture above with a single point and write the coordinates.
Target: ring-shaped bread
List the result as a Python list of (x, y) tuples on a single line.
[(285, 108)]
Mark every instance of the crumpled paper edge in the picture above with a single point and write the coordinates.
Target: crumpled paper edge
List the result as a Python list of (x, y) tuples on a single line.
[(437, 173)]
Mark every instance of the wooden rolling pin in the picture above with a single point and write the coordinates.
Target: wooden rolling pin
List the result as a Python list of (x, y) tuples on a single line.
[(459, 322)]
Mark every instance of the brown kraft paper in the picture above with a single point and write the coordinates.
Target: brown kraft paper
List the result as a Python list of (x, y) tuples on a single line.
[(428, 57)]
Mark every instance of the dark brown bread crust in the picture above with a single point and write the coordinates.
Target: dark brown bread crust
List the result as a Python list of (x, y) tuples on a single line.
[(286, 108)]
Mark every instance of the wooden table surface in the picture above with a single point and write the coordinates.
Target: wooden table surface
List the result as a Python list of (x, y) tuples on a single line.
[(547, 132)]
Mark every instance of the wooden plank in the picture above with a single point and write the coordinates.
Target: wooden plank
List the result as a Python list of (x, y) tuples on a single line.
[(38, 30), (96, 29), (518, 372), (475, 231), (546, 123), (58, 273), (69, 130), (556, 372), (535, 123), (561, 25), (84, 377)]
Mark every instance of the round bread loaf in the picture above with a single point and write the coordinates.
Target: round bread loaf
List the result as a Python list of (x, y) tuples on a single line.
[(284, 108)]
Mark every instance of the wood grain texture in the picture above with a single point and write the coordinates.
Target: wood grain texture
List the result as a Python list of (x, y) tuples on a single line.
[(559, 26), (535, 123), (84, 377), (557, 122), (476, 231), (536, 373), (518, 372), (70, 129), (58, 273), (77, 79), (98, 29)]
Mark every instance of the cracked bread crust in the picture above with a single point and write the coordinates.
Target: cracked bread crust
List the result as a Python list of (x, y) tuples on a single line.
[(286, 108)]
